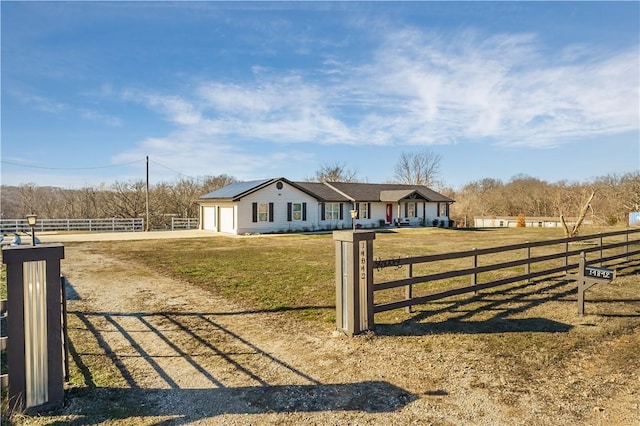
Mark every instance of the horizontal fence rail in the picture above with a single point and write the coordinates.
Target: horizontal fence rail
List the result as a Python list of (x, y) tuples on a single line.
[(100, 225), (590, 244), (178, 223)]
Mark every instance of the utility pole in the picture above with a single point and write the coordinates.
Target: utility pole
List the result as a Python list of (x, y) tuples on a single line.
[(146, 223)]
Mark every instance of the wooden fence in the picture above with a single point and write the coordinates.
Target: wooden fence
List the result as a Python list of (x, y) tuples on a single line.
[(104, 225), (608, 247), (178, 223)]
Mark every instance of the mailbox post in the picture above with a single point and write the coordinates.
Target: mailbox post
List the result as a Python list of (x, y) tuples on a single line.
[(354, 281), (34, 323), (589, 276)]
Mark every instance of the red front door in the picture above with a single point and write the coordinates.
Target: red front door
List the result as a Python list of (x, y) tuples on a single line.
[(389, 213)]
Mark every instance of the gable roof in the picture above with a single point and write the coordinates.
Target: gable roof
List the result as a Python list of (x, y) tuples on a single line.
[(387, 192), (324, 192), (335, 191), (236, 191)]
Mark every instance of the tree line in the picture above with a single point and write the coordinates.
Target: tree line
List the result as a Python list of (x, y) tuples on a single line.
[(609, 199), (120, 200), (614, 196)]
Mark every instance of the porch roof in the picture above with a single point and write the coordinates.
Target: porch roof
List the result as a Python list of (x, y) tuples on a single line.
[(397, 195)]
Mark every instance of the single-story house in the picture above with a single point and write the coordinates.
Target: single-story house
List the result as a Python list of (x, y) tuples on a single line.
[(512, 222), (280, 205)]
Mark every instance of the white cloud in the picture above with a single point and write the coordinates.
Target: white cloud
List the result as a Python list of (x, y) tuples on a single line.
[(417, 89)]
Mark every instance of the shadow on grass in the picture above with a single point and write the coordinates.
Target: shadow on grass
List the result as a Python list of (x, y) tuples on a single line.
[(458, 315), (511, 300)]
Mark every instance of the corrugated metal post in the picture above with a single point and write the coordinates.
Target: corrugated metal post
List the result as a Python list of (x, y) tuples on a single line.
[(35, 347), (354, 281)]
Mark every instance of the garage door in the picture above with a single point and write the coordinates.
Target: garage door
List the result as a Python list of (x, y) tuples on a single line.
[(226, 219), (209, 219)]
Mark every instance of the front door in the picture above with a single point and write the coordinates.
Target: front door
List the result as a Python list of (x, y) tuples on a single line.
[(389, 213)]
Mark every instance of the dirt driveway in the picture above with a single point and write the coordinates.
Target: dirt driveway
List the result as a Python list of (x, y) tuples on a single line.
[(180, 356)]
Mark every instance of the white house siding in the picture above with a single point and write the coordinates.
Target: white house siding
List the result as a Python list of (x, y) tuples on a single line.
[(280, 198)]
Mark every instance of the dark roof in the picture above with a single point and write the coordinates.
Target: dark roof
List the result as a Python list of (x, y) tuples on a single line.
[(335, 191), (323, 192), (387, 191)]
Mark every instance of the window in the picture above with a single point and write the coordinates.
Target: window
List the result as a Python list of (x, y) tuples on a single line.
[(411, 209), (297, 211), (443, 207), (363, 212), (263, 212), (332, 211)]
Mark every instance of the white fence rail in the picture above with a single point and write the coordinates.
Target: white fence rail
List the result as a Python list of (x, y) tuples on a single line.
[(111, 224), (184, 223)]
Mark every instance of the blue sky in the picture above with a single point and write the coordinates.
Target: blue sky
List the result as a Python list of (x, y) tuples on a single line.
[(258, 90)]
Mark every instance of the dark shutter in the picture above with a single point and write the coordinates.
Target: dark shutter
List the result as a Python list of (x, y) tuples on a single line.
[(323, 215), (341, 215), (304, 211), (288, 212), (357, 209), (254, 212), (368, 210), (406, 209), (270, 212)]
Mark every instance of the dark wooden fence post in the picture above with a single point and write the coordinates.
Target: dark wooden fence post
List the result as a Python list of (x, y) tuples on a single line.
[(409, 289), (474, 265)]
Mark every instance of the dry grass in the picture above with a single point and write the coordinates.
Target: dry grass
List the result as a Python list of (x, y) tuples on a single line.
[(520, 350)]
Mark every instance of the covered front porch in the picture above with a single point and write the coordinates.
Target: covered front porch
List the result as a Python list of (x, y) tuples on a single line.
[(410, 208)]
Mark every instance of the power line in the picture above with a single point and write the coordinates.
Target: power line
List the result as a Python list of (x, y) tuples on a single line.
[(70, 168), (175, 171)]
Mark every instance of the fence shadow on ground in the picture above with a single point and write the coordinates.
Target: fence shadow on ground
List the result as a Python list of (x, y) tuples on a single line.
[(231, 375), (196, 404), (457, 315)]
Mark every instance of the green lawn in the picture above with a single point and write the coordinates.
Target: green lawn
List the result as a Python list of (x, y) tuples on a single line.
[(296, 272)]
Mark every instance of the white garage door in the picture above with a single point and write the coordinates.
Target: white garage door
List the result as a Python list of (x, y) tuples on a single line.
[(226, 219), (209, 219)]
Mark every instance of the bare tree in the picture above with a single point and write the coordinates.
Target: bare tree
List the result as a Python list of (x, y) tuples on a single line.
[(337, 172), (211, 183), (419, 168), (583, 213)]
